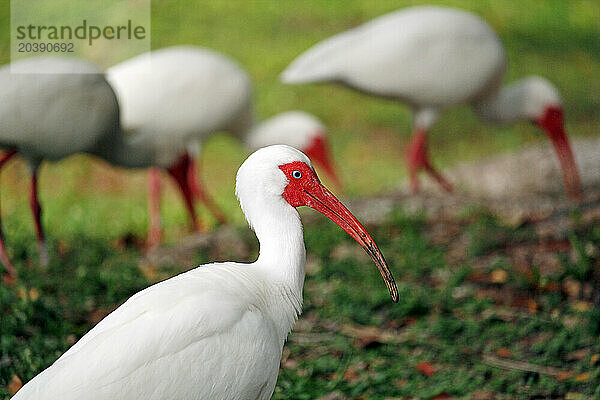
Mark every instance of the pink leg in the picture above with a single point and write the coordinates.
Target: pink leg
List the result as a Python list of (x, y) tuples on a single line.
[(11, 274), (180, 172), (36, 210), (417, 158), (200, 194), (155, 231)]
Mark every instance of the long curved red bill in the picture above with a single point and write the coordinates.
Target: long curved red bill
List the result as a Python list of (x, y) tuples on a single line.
[(552, 124), (307, 190)]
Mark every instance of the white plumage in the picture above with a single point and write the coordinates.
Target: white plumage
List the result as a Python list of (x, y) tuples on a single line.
[(431, 58), (217, 331), (177, 95), (47, 116), (51, 116), (199, 335), (417, 55), (294, 128), (175, 98)]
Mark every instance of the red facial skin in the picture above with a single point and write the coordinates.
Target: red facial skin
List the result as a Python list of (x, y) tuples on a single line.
[(305, 189), (318, 151), (552, 124)]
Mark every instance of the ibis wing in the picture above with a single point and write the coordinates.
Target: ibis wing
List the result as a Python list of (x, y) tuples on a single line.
[(167, 341), (183, 90), (424, 55)]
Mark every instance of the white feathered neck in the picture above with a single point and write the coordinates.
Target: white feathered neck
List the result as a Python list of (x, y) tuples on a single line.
[(282, 255)]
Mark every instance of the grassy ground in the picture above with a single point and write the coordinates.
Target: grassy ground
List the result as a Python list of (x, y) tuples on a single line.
[(481, 324)]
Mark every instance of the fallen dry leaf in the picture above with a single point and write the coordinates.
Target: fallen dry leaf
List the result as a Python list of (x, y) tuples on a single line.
[(425, 368), (478, 276), (532, 306), (9, 280), (22, 293), (289, 363), (583, 377), (503, 352), (551, 287), (564, 375), (34, 294), (594, 359), (499, 276), (581, 306), (14, 385), (98, 314), (442, 395), (572, 287), (351, 375), (578, 354), (573, 396)]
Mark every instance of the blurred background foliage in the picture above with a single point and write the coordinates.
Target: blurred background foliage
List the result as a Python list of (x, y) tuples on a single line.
[(554, 38)]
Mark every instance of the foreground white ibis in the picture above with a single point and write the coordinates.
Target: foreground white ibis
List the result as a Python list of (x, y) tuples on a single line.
[(178, 96), (49, 116), (215, 332), (432, 58)]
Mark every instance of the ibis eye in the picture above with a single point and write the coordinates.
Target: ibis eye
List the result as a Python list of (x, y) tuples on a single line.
[(297, 174)]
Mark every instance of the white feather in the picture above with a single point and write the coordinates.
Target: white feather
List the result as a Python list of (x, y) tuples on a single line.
[(215, 332), (429, 57), (51, 116)]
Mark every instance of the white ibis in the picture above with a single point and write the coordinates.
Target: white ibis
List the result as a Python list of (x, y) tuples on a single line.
[(215, 332), (432, 58), (178, 96), (49, 116)]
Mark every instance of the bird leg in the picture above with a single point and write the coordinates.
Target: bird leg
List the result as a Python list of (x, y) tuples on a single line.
[(11, 274), (36, 210), (155, 231), (417, 158), (180, 172), (199, 193)]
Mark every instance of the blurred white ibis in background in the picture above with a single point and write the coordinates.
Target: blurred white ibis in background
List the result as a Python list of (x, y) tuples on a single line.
[(217, 331), (178, 96), (432, 58), (49, 116)]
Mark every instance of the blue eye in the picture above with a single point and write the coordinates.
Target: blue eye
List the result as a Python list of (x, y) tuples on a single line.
[(297, 174)]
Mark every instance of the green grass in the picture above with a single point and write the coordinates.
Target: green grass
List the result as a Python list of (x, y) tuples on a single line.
[(450, 315)]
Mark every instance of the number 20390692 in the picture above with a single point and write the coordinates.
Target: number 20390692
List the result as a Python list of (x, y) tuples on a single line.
[(45, 47)]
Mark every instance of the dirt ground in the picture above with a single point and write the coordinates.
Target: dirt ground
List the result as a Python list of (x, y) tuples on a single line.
[(522, 187)]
